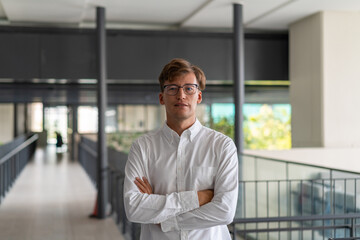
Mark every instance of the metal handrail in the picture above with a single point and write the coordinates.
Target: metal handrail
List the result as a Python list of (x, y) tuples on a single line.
[(13, 162), (350, 238), (351, 226), (297, 163), (297, 218), (19, 148)]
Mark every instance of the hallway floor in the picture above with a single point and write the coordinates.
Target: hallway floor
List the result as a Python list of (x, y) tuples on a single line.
[(51, 200)]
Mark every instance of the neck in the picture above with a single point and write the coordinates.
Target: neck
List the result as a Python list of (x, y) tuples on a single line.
[(180, 126)]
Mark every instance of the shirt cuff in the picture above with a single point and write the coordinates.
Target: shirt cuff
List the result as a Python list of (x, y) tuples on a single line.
[(189, 200), (170, 225)]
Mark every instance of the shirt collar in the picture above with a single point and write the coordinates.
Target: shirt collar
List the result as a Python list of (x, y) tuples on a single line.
[(191, 132), (169, 133), (194, 130)]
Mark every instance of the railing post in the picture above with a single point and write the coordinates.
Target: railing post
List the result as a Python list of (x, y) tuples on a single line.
[(352, 228), (355, 187)]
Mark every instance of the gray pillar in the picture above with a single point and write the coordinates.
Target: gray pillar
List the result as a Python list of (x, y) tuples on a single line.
[(102, 179), (239, 91)]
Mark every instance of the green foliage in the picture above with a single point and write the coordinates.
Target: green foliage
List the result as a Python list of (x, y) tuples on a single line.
[(265, 130), (122, 141), (225, 126)]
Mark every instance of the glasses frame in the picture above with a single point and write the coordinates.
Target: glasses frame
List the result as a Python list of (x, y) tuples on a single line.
[(178, 88)]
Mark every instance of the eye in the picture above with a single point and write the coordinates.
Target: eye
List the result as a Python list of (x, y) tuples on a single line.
[(172, 88)]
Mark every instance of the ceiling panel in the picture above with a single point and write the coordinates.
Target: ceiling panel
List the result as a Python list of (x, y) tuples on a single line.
[(140, 11), (44, 11), (219, 14), (296, 10)]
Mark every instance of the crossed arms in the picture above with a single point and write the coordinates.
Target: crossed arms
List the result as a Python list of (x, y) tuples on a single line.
[(144, 186), (187, 210)]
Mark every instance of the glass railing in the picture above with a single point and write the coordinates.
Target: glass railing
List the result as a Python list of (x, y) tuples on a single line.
[(276, 189)]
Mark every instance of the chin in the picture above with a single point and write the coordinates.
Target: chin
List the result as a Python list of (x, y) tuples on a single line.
[(184, 116)]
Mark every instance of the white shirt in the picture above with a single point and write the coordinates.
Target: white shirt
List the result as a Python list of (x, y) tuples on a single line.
[(178, 167)]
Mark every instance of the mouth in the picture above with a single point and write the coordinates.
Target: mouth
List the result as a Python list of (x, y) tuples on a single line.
[(181, 105)]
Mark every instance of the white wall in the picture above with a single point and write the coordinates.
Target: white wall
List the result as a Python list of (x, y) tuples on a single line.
[(325, 80), (6, 123), (342, 79), (306, 66), (21, 119)]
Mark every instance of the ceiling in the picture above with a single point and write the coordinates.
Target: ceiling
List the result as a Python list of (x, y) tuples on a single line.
[(166, 14)]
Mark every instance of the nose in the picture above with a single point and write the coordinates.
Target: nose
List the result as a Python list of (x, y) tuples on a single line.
[(181, 94)]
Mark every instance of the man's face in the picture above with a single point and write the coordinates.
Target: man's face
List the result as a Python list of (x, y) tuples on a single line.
[(181, 106)]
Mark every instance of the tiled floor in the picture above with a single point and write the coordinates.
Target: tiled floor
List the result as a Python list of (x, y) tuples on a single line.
[(51, 200)]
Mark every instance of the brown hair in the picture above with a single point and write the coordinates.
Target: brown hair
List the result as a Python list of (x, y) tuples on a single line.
[(178, 67)]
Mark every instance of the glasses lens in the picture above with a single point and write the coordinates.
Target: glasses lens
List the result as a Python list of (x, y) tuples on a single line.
[(189, 89), (171, 89)]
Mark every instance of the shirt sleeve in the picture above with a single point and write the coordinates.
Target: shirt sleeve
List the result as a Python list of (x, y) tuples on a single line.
[(221, 209), (153, 208)]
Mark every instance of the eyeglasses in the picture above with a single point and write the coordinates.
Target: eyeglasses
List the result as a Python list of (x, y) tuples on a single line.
[(173, 89)]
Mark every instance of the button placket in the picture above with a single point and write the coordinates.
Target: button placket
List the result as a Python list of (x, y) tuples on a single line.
[(179, 167), (181, 178)]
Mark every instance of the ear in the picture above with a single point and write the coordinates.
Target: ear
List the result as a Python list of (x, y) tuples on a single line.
[(161, 98), (199, 97)]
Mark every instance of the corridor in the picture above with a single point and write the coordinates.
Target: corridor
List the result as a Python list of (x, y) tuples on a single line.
[(51, 200)]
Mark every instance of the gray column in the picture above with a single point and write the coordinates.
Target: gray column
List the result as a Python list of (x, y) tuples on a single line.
[(102, 179), (239, 92)]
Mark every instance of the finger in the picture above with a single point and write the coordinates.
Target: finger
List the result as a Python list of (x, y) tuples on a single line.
[(145, 180), (147, 184), (141, 182), (140, 186), (145, 188)]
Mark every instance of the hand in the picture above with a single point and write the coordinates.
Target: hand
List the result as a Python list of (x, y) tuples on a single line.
[(205, 196), (143, 185)]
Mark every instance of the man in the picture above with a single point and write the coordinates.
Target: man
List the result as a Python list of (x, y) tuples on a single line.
[(181, 181)]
